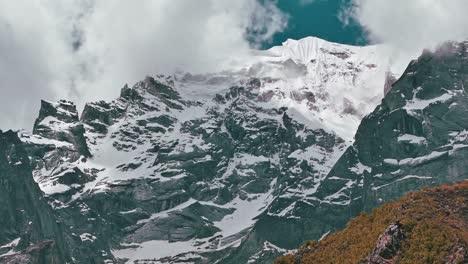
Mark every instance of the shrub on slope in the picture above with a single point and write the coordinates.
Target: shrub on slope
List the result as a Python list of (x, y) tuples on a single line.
[(428, 226)]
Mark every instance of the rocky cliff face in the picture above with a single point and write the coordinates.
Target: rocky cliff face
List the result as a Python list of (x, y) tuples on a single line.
[(181, 174), (417, 137), (30, 232)]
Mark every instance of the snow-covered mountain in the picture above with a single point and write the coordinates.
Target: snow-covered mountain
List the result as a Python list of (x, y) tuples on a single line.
[(191, 168), (416, 138)]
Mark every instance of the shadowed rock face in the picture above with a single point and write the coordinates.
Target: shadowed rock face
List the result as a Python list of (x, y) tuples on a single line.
[(28, 225), (32, 229), (59, 139), (417, 137), (60, 121), (42, 252)]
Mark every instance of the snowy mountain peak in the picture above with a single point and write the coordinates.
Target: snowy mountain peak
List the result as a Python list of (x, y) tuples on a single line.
[(308, 49), (187, 163), (347, 81)]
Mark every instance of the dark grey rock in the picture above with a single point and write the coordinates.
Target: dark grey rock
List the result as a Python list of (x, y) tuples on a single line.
[(24, 212), (388, 246)]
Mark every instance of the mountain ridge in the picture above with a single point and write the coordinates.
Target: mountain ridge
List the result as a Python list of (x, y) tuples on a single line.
[(220, 167), (224, 143)]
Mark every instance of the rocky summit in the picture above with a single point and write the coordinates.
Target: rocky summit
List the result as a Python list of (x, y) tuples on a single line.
[(233, 167)]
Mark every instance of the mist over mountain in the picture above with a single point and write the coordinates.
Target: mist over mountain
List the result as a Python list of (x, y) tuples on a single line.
[(228, 132), (82, 50)]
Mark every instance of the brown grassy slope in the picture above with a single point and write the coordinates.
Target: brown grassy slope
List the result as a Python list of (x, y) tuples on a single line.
[(434, 222)]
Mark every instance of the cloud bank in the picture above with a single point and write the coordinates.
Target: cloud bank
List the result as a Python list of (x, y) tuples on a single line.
[(409, 26), (86, 50)]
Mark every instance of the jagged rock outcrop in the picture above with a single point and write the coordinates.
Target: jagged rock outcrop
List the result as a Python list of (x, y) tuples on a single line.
[(388, 246), (57, 142), (59, 121), (100, 115)]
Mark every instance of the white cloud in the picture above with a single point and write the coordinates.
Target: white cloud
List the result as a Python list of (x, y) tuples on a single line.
[(28, 63), (409, 26), (86, 50)]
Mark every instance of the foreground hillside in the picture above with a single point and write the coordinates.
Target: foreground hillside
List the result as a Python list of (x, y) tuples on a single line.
[(428, 226)]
